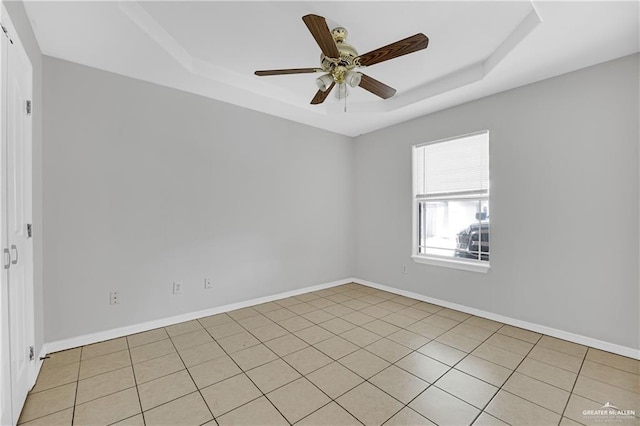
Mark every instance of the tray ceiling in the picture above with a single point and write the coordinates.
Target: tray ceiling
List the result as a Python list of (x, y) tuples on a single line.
[(212, 48)]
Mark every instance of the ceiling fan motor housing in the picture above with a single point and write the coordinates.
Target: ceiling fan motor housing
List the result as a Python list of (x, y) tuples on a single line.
[(338, 67)]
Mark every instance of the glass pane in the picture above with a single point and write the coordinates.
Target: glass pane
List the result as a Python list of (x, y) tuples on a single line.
[(454, 228)]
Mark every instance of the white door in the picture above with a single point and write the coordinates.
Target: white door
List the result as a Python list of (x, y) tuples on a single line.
[(16, 167), (5, 359)]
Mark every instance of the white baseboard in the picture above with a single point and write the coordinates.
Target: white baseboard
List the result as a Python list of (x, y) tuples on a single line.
[(164, 322), (100, 336), (560, 334)]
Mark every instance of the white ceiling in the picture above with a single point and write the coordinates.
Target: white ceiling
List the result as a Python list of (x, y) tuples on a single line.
[(211, 48)]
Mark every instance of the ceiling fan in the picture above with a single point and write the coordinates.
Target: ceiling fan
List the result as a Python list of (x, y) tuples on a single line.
[(339, 59)]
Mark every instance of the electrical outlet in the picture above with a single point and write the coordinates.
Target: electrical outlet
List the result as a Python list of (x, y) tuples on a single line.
[(177, 287), (114, 298), (404, 269), (207, 283)]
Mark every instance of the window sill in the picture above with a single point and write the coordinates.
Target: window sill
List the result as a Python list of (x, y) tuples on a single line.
[(451, 263)]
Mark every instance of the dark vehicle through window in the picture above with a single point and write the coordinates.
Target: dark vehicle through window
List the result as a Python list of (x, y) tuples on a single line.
[(473, 241)]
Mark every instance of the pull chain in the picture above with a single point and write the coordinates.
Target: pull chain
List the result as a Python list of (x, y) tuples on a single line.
[(345, 99)]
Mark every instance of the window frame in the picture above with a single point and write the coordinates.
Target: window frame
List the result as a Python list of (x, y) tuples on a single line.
[(433, 259)]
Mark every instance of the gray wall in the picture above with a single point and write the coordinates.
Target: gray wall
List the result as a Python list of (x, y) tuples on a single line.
[(23, 26), (146, 185), (564, 204)]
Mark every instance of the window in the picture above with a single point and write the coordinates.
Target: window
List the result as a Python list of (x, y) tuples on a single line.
[(451, 202)]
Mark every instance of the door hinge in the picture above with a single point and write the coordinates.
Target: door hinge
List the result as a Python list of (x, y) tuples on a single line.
[(29, 230), (32, 355), (7, 258), (28, 107)]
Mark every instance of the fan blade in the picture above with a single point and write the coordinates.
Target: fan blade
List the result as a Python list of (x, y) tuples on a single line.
[(320, 31), (321, 96), (286, 71), (393, 50), (376, 87)]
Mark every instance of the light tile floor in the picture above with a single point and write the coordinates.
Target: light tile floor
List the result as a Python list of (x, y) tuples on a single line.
[(341, 356)]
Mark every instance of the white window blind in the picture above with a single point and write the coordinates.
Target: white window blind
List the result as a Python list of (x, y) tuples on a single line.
[(454, 168)]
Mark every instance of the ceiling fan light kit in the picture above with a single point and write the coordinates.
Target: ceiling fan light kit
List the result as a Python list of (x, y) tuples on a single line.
[(339, 60), (352, 78), (324, 82)]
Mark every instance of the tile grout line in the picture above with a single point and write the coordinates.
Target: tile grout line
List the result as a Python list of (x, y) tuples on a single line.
[(129, 353), (54, 387), (381, 337), (263, 342), (189, 373), (404, 405), (285, 361), (305, 375), (75, 397), (433, 384), (574, 385), (534, 378), (505, 381), (363, 348), (434, 339), (397, 311), (592, 400), (96, 375), (135, 382), (331, 399), (482, 410), (107, 394), (526, 356), (302, 375), (86, 402), (242, 371), (532, 402), (606, 383), (374, 354)]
